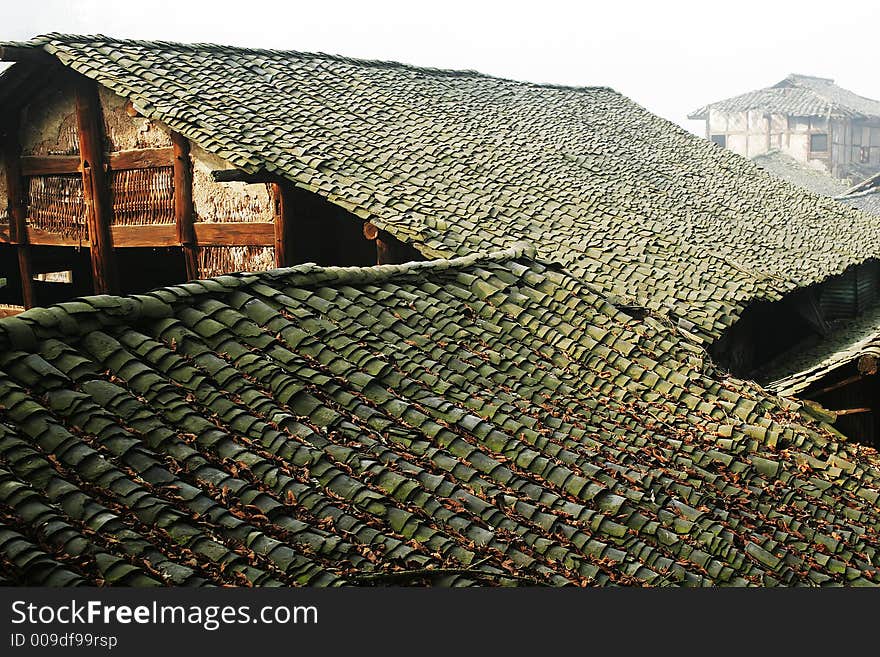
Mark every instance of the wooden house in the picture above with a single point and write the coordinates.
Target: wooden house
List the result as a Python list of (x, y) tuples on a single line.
[(99, 199), (811, 119)]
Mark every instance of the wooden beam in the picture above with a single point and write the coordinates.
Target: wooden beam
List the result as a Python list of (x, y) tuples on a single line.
[(868, 364), (852, 411), (56, 165), (49, 165), (19, 54), (39, 237), (131, 110), (17, 210), (95, 189), (384, 243), (235, 234), (836, 386), (184, 212), (283, 224), (371, 231), (142, 158), (237, 175), (159, 235)]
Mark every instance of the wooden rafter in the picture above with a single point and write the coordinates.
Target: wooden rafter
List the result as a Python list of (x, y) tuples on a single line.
[(29, 55), (852, 411), (384, 243)]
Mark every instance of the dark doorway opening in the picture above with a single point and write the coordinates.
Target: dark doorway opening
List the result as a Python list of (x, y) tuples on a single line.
[(145, 268), (329, 235), (10, 281), (60, 273), (769, 330), (853, 394)]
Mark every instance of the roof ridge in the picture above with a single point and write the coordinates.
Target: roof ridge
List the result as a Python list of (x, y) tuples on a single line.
[(18, 332), (795, 76), (43, 40), (772, 89)]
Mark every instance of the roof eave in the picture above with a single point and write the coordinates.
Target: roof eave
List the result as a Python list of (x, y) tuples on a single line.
[(30, 54)]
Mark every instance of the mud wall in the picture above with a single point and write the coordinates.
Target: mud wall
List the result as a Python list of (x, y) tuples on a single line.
[(124, 132), (236, 202), (48, 122)]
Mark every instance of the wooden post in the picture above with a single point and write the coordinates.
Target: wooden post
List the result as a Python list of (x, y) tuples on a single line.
[(283, 224), (184, 214), (384, 243), (17, 204), (95, 189), (384, 249)]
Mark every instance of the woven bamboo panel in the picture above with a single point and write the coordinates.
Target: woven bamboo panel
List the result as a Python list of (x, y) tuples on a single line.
[(55, 277), (142, 196), (56, 204), (8, 310), (216, 260)]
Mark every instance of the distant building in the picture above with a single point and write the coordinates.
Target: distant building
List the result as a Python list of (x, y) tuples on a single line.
[(811, 119)]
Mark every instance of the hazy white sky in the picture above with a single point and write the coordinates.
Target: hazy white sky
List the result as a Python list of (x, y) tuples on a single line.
[(671, 56)]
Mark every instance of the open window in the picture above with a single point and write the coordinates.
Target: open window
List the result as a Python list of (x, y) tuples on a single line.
[(819, 142)]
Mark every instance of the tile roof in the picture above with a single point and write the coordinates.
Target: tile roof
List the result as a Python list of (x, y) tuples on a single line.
[(841, 100), (816, 180), (798, 95), (794, 371), (793, 101), (821, 182), (489, 419), (458, 162), (868, 202)]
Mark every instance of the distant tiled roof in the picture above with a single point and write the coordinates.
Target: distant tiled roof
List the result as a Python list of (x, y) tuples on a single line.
[(791, 100), (476, 421), (815, 180), (459, 162), (869, 202), (841, 100), (866, 197), (794, 371), (798, 95)]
